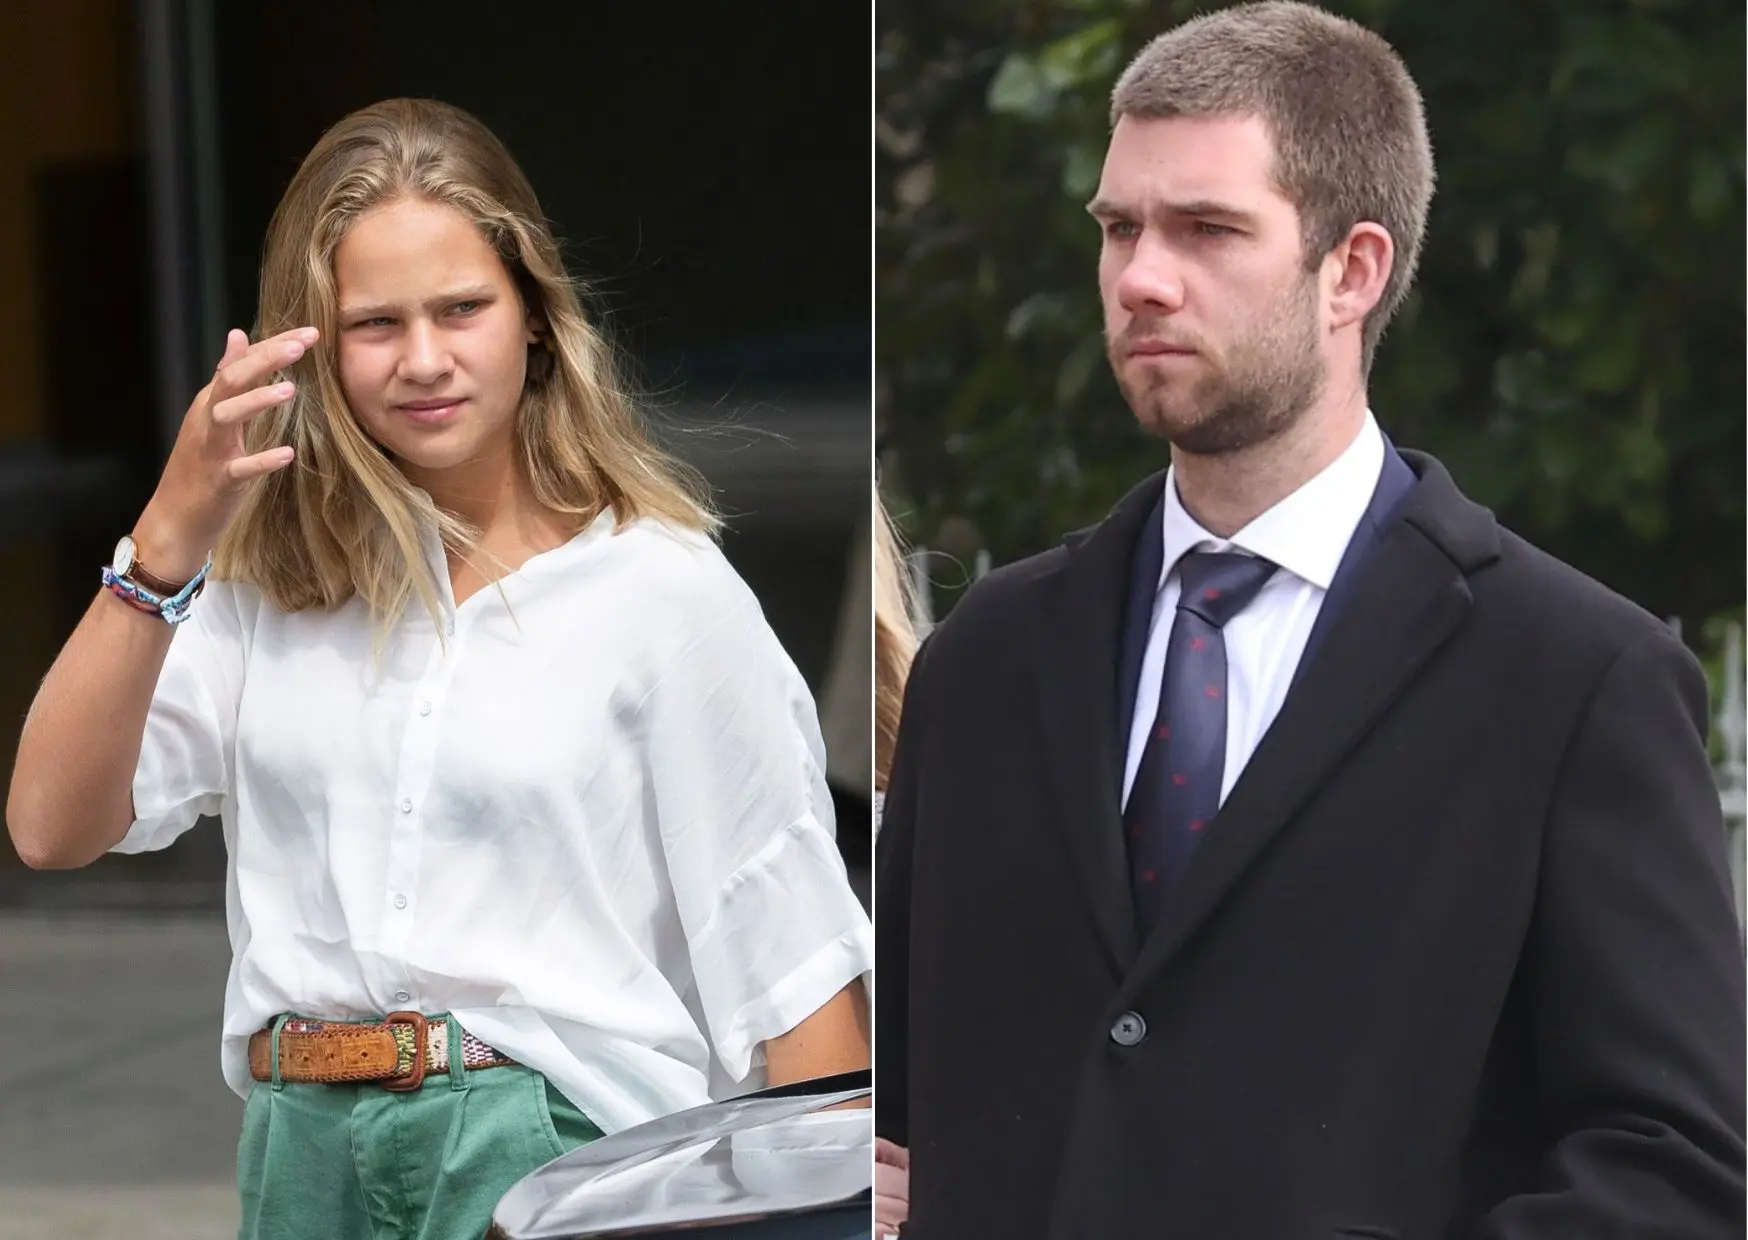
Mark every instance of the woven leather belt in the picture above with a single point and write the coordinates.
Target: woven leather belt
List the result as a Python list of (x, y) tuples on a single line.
[(398, 1054)]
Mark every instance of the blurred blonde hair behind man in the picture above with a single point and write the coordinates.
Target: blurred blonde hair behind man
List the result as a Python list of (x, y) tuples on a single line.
[(895, 638)]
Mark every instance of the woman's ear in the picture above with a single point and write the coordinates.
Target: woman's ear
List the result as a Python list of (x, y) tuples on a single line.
[(540, 355)]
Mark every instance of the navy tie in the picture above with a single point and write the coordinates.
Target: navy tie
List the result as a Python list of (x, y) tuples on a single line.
[(1177, 786)]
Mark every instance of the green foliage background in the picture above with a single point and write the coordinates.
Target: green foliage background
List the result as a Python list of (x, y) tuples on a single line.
[(1574, 350)]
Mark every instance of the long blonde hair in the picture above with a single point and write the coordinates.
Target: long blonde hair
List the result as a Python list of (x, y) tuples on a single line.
[(343, 520), (895, 638)]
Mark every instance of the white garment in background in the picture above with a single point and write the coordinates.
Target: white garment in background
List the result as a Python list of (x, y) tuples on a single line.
[(595, 828)]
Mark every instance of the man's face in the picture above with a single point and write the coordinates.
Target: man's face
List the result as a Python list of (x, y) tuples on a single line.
[(1214, 328)]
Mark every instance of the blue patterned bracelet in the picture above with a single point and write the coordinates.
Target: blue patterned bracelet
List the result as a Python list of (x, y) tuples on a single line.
[(173, 610)]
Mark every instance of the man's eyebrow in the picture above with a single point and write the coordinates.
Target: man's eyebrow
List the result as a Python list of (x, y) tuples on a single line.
[(1209, 206), (1105, 208)]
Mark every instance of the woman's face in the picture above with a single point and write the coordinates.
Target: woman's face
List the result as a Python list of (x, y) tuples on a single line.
[(433, 341)]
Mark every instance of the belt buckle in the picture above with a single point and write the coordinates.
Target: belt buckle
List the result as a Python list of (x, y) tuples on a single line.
[(416, 1075)]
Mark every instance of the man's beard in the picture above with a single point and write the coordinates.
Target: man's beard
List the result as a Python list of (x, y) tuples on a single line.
[(1267, 382)]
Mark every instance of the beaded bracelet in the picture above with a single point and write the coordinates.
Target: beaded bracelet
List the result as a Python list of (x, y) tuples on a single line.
[(173, 610)]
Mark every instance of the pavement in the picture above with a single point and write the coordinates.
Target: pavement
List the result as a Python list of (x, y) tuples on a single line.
[(114, 1129)]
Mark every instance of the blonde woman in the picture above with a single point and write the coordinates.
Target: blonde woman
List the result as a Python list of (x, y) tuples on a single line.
[(527, 826), (895, 642)]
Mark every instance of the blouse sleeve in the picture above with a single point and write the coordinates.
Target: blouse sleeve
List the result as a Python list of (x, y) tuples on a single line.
[(737, 770), (184, 767)]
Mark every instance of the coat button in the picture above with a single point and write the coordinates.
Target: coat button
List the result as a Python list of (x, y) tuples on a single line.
[(1129, 1029)]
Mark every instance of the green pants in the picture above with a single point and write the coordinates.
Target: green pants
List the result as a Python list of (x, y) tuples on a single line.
[(359, 1162)]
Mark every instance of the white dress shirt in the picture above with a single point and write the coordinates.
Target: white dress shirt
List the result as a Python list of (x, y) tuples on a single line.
[(595, 828), (1306, 534)]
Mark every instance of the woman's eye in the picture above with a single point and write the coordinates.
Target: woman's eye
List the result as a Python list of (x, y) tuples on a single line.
[(464, 307)]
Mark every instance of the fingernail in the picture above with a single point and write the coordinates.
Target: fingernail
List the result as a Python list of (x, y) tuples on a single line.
[(294, 350)]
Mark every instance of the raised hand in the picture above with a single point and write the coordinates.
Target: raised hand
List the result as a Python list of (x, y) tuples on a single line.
[(210, 468)]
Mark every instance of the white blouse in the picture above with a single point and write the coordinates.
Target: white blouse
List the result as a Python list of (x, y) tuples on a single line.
[(595, 827)]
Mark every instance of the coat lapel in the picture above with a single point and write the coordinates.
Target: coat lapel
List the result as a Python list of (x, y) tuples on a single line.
[(1146, 562), (1400, 607), (1077, 656), (1395, 482)]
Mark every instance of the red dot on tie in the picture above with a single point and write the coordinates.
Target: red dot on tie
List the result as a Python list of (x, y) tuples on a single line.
[(1135, 832), (1213, 691), (1198, 643), (1179, 781), (1164, 732), (1196, 824), (1211, 593), (1147, 876)]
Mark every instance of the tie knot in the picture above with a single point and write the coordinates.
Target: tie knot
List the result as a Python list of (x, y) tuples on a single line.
[(1217, 585)]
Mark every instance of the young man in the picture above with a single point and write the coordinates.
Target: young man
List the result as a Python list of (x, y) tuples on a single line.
[(1298, 853)]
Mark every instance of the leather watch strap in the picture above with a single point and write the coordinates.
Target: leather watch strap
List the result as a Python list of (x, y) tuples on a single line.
[(156, 584)]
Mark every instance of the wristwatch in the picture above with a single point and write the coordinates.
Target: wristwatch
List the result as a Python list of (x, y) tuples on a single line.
[(124, 577), (126, 564)]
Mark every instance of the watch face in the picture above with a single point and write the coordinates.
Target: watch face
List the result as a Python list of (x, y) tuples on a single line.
[(124, 556)]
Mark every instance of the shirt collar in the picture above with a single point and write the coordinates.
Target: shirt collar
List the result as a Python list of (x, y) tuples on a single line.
[(1307, 532)]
